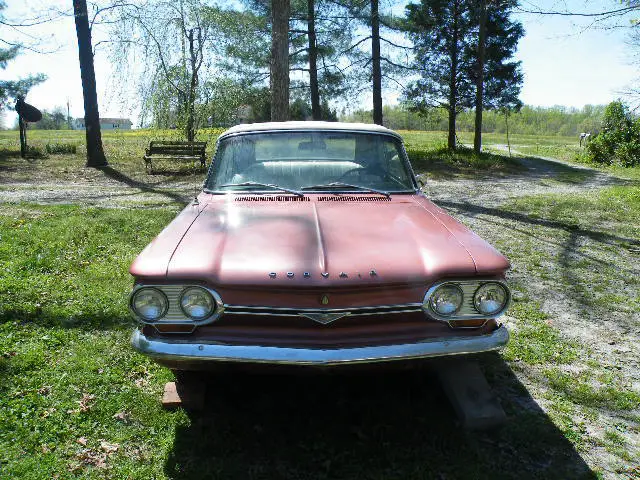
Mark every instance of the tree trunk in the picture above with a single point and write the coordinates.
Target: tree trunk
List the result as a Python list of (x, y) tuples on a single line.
[(482, 38), (316, 114), (453, 82), (506, 121), (451, 139), (375, 63), (190, 130), (95, 152), (280, 60)]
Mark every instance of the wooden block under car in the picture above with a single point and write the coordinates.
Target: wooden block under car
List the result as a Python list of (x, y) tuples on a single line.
[(473, 400), (189, 395)]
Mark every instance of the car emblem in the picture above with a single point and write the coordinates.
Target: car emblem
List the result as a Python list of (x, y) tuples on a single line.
[(325, 274), (324, 300), (325, 318)]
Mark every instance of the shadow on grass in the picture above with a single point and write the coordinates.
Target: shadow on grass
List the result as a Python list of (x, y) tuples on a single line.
[(578, 287), (145, 187), (542, 168), (380, 424), (602, 237), (11, 161), (462, 161)]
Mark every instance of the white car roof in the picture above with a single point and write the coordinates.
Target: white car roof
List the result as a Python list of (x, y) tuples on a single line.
[(338, 126)]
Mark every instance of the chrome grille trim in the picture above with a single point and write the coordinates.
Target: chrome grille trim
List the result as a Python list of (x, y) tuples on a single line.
[(296, 312)]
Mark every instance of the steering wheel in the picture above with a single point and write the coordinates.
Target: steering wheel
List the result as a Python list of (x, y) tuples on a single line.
[(383, 175), (368, 170)]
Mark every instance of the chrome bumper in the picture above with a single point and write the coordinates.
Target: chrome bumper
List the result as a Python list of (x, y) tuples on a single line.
[(174, 350)]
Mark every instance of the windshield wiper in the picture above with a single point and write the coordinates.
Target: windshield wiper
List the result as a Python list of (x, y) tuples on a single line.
[(258, 184), (334, 185)]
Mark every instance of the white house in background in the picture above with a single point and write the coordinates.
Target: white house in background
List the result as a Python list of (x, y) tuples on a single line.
[(106, 124)]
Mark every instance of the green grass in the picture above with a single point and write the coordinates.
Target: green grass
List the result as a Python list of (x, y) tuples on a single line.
[(125, 149), (77, 402), (68, 255), (535, 341), (583, 389), (599, 235), (429, 155), (612, 210), (565, 152), (66, 371)]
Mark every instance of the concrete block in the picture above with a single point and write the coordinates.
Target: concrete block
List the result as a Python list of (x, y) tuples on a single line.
[(475, 404)]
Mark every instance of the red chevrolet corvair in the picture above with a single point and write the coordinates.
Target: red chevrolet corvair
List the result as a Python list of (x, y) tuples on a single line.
[(312, 244)]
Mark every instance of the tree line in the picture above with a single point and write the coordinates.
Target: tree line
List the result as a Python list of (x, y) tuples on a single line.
[(197, 63), (529, 120)]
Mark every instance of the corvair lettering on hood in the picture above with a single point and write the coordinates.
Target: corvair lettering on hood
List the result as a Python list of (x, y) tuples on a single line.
[(372, 273)]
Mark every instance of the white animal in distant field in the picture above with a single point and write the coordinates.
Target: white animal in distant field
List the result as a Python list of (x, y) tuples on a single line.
[(585, 137)]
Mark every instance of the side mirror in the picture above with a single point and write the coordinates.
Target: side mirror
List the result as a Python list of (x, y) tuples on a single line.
[(422, 182)]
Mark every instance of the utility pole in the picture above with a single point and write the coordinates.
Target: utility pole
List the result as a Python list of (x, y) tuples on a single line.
[(68, 115)]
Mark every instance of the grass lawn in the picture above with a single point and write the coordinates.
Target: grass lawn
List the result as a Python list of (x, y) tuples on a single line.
[(77, 402), (585, 247), (125, 149)]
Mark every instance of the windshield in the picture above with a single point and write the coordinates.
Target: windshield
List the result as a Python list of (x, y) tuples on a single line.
[(310, 161)]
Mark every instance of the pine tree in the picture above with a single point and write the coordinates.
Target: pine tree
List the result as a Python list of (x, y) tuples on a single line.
[(446, 38), (498, 80), (279, 77), (441, 31)]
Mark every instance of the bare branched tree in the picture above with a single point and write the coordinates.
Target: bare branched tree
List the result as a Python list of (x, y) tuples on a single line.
[(172, 38)]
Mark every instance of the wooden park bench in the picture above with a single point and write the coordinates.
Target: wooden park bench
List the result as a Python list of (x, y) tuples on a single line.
[(166, 150)]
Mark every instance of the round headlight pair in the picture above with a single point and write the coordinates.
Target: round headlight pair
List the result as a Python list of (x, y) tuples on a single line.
[(151, 304), (489, 299)]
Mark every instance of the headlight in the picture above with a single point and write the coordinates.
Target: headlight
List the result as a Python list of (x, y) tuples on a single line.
[(490, 298), (446, 300), (149, 303), (197, 303)]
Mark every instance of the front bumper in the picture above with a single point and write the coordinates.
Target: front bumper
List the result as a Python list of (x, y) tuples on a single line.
[(176, 351)]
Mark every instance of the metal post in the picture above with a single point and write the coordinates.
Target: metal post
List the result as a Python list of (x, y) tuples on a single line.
[(23, 137)]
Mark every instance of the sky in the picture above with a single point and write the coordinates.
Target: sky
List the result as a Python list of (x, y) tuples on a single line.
[(564, 63)]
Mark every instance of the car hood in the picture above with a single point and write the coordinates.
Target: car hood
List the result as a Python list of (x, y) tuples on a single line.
[(317, 241)]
